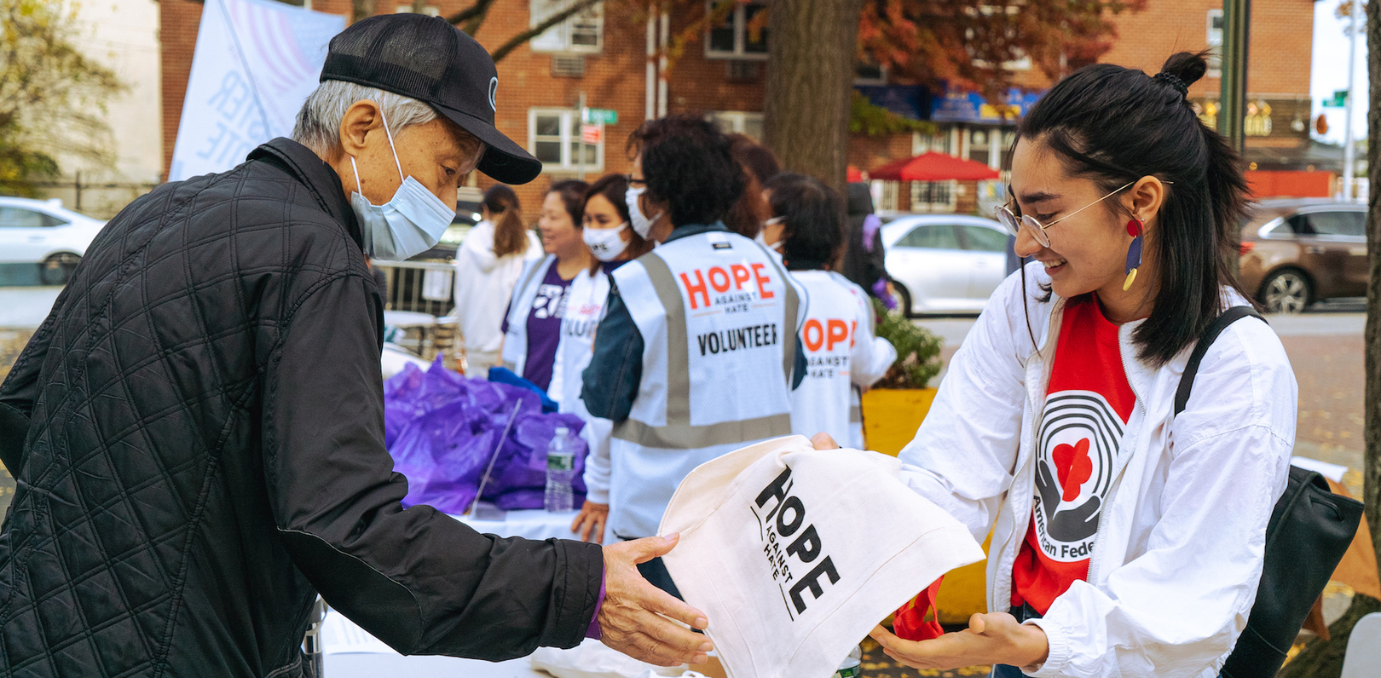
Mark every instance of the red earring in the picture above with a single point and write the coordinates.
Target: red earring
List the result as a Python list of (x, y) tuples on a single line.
[(1133, 252)]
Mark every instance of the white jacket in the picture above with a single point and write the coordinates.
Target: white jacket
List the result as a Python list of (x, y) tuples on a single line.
[(1181, 539), (484, 283)]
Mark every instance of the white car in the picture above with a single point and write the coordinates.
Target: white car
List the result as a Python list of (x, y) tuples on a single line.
[(43, 232), (944, 263)]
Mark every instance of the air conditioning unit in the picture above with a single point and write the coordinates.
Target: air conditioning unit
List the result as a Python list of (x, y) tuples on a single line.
[(567, 66), (743, 70)]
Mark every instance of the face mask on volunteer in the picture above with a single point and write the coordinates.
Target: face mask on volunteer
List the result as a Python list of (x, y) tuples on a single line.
[(762, 239), (408, 224), (641, 224), (605, 243)]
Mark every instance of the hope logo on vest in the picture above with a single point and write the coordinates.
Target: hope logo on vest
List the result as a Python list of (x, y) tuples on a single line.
[(1076, 454), (727, 289), (776, 529)]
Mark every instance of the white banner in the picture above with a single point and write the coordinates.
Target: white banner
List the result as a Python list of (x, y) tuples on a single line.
[(255, 63)]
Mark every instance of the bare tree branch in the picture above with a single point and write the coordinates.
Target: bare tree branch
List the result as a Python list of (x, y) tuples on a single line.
[(472, 16), (517, 40)]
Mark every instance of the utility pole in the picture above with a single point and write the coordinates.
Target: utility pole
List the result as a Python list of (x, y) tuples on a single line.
[(1232, 96), (1349, 152)]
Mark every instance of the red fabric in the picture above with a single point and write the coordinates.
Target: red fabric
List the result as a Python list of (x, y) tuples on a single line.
[(1087, 405), (933, 166), (910, 622)]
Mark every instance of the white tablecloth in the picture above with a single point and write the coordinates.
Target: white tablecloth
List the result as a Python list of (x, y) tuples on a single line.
[(352, 653)]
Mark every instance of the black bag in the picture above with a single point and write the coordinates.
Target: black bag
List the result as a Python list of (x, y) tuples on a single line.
[(1309, 531)]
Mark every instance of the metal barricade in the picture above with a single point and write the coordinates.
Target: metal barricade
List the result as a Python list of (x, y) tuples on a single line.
[(420, 286)]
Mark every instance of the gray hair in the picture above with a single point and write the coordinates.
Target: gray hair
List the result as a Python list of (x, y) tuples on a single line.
[(318, 123)]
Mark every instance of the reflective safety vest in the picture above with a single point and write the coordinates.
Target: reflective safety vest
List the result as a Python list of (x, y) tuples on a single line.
[(719, 319), (841, 352)]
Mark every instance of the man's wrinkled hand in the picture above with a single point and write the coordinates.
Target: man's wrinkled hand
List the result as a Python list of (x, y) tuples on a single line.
[(637, 617), (994, 638)]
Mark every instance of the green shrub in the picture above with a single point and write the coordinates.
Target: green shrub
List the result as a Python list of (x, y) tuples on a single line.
[(918, 350)]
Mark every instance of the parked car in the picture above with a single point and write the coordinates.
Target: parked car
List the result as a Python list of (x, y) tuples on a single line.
[(1296, 252), (42, 232), (944, 263)]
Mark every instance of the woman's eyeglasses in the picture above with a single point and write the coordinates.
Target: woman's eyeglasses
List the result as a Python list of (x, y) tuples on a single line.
[(634, 182), (1013, 222)]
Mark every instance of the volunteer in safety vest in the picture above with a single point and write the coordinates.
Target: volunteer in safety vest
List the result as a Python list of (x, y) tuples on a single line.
[(698, 350), (841, 351), (535, 328), (1129, 539), (613, 243)]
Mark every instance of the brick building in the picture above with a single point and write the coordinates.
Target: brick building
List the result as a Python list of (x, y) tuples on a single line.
[(720, 72)]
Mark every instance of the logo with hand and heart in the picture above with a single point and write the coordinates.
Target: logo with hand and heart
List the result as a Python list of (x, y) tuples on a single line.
[(1077, 448), (1073, 467)]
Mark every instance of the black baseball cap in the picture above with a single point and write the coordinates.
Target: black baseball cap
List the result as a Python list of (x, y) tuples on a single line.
[(427, 59)]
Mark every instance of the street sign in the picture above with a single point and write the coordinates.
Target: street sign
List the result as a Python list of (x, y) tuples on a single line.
[(591, 134), (600, 116), (1339, 99)]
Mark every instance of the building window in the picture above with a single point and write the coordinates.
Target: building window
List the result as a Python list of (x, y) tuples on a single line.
[(933, 196), (867, 73), (978, 144), (554, 138), (735, 37), (739, 122), (931, 143), (582, 32), (428, 10), (1215, 43)]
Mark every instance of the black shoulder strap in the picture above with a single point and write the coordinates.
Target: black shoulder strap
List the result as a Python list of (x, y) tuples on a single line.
[(1211, 333)]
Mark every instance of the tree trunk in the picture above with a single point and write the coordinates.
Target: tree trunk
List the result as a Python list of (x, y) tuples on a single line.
[(810, 71), (1325, 659)]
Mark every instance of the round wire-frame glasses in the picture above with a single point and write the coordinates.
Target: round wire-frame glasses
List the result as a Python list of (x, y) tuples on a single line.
[(1012, 222)]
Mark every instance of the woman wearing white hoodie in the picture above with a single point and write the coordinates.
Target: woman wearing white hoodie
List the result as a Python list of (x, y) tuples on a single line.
[(1127, 540), (487, 267)]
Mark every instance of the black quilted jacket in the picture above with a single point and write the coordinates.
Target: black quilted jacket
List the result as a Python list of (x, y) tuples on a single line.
[(197, 436)]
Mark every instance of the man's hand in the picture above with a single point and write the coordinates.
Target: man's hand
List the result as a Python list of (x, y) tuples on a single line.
[(994, 638), (636, 618), (591, 521)]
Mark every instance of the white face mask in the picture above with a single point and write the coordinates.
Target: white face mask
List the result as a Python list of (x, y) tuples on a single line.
[(408, 224), (605, 243), (761, 237), (641, 224)]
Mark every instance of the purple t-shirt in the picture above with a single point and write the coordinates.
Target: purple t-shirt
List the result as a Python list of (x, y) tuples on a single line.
[(544, 327)]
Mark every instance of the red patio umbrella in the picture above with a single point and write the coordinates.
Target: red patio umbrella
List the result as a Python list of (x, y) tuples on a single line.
[(934, 166), (854, 174)]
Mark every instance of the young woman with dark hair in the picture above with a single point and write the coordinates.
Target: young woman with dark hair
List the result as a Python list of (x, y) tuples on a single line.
[(1127, 540), (613, 244), (705, 309), (534, 329), (488, 263), (842, 353)]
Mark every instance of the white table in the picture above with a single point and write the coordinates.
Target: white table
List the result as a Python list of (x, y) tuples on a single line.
[(352, 653)]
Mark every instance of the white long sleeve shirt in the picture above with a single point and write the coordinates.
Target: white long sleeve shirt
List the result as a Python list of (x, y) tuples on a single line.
[(484, 282), (1181, 540)]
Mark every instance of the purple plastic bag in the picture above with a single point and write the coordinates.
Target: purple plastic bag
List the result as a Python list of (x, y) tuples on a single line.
[(442, 428)]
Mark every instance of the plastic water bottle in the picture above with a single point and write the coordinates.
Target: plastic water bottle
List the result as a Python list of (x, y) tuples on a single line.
[(560, 472), (852, 665)]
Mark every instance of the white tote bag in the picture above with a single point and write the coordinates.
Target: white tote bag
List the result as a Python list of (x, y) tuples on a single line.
[(795, 553)]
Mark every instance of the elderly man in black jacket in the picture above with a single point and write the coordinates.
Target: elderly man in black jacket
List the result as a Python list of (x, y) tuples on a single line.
[(197, 428)]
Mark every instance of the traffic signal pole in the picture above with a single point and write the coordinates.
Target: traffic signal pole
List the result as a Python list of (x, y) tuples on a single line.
[(1232, 97)]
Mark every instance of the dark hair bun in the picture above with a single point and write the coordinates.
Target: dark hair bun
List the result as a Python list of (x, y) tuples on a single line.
[(1187, 66)]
